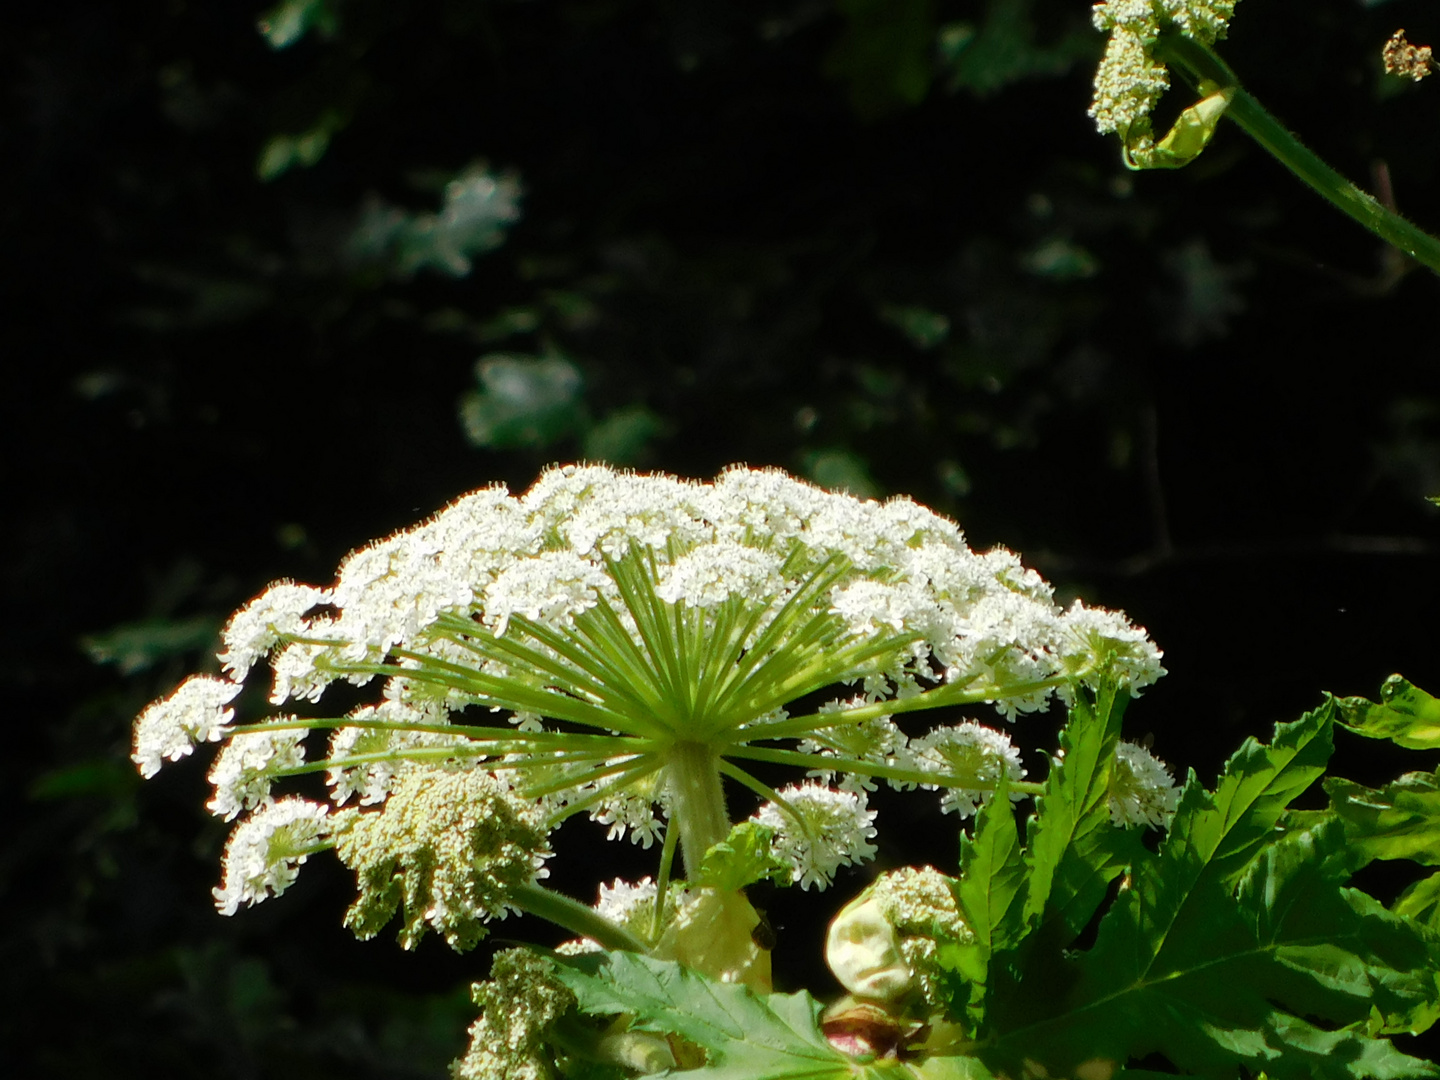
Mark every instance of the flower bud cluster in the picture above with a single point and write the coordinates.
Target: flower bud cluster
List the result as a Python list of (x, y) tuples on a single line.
[(1130, 80), (883, 946)]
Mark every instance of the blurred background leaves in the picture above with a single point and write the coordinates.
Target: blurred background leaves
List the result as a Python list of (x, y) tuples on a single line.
[(275, 292)]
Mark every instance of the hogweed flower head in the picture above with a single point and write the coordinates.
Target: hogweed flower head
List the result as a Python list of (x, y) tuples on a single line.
[(446, 849), (519, 1003), (264, 854), (1131, 78), (1405, 60), (615, 644), (170, 728)]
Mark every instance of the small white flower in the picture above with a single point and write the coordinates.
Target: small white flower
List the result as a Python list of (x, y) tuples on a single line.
[(266, 850), (975, 756), (834, 830), (170, 728), (372, 780), (629, 811), (244, 768), (256, 628), (1093, 634), (1142, 791)]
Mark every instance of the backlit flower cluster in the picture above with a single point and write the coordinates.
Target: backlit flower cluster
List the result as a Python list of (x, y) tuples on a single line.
[(571, 649)]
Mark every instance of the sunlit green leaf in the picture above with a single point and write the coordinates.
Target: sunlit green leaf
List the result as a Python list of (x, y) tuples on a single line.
[(1398, 821), (991, 895), (1072, 849), (1405, 714), (1421, 902), (742, 858), (1237, 946), (745, 1036)]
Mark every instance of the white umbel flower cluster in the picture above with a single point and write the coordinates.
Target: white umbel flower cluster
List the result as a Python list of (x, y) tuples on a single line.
[(614, 644), (170, 728), (266, 851), (974, 757), (752, 534), (819, 830), (1142, 791), (243, 769)]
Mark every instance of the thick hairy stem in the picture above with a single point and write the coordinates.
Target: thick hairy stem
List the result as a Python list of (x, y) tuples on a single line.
[(717, 937), (1199, 64), (697, 802)]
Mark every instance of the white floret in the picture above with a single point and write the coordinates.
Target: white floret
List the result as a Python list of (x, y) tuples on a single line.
[(834, 830), (1142, 791), (265, 852), (245, 768), (973, 758), (256, 628), (197, 711)]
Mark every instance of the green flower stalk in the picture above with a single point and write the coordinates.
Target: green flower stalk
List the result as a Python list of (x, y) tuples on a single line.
[(628, 647), (1147, 38)]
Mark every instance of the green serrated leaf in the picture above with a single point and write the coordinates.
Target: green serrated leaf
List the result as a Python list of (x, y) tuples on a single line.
[(991, 897), (1398, 821), (1236, 946), (745, 1036), (1072, 849), (1406, 715), (742, 858), (1421, 902)]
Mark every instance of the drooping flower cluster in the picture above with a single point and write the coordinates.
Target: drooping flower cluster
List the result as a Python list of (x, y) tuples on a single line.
[(1130, 79), (265, 852), (610, 644), (446, 850), (169, 729)]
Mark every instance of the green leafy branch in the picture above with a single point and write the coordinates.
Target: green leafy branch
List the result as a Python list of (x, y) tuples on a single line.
[(1238, 945)]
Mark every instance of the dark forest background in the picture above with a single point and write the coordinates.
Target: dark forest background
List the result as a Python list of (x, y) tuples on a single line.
[(269, 296)]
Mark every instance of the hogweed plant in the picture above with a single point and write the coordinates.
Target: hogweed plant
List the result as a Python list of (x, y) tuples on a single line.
[(1147, 38), (646, 652)]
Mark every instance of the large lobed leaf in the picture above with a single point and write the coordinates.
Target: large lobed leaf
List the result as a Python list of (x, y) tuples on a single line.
[(745, 1036), (1405, 714), (1238, 946)]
